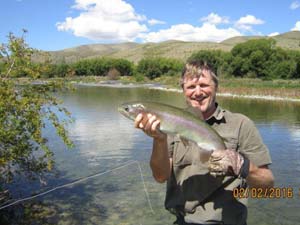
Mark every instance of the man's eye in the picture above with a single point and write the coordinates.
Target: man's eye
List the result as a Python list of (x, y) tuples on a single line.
[(204, 85), (191, 87)]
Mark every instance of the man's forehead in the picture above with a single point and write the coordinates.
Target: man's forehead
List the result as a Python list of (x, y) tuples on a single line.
[(197, 78)]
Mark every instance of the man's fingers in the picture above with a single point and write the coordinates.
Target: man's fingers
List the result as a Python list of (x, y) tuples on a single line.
[(216, 174), (138, 120), (228, 161), (149, 124), (215, 167), (150, 120), (217, 155), (155, 125)]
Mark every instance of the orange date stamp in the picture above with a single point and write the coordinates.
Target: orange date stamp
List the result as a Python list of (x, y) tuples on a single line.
[(264, 193)]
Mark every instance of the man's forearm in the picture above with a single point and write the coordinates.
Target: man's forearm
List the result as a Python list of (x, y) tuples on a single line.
[(160, 160), (260, 177)]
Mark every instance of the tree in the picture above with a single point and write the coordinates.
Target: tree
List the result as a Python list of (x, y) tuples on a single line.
[(124, 66), (218, 60), (253, 57), (157, 66), (24, 110)]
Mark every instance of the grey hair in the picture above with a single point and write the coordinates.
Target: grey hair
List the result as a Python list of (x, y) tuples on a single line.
[(195, 69)]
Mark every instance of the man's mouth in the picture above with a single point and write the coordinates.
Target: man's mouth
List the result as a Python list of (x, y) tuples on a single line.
[(199, 99)]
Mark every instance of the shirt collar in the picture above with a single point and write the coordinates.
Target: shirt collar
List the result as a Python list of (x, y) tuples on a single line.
[(218, 114)]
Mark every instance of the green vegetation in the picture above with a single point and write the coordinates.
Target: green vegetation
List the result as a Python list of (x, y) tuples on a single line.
[(258, 87), (254, 59), (24, 112), (156, 67)]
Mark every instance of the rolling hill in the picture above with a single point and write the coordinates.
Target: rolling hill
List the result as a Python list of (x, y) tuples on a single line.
[(174, 49)]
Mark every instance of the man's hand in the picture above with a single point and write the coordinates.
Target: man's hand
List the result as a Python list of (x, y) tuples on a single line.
[(228, 162), (150, 125), (160, 161)]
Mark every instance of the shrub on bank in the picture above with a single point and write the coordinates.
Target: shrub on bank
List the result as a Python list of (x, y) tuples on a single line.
[(156, 67), (252, 59)]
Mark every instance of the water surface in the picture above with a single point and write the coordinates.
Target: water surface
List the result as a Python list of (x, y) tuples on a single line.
[(105, 140)]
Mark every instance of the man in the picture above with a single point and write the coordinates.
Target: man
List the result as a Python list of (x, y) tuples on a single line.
[(201, 191)]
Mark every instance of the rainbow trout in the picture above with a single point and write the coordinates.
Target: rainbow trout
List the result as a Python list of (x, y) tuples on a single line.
[(177, 122)]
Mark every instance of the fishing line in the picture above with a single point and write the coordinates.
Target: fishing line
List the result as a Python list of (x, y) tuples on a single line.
[(84, 179), (146, 192)]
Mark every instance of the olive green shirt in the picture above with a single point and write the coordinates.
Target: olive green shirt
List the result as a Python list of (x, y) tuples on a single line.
[(198, 196)]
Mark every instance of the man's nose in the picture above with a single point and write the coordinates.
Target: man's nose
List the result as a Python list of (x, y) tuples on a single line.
[(198, 90)]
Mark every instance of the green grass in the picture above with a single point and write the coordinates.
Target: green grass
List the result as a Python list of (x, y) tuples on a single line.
[(258, 83), (276, 88), (244, 86)]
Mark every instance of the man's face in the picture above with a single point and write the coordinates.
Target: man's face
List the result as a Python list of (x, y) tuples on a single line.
[(200, 93)]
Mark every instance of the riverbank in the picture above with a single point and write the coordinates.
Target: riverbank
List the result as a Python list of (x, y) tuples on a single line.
[(223, 94), (278, 90)]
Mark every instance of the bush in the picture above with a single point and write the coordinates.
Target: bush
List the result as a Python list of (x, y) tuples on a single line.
[(101, 67), (214, 58), (113, 74), (124, 66), (61, 70), (156, 67), (139, 77)]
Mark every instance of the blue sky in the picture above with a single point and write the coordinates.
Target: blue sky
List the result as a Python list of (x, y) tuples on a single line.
[(59, 24)]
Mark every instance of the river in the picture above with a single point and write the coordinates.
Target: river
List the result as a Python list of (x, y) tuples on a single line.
[(122, 190)]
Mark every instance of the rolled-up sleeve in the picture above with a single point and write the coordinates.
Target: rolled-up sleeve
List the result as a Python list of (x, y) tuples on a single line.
[(251, 144), (171, 144)]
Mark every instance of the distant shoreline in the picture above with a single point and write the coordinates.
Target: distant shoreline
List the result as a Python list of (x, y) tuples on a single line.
[(116, 84)]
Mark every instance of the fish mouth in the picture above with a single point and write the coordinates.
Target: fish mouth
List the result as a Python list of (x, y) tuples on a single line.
[(123, 111)]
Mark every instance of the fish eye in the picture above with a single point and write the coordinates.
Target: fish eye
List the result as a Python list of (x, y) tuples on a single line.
[(126, 109)]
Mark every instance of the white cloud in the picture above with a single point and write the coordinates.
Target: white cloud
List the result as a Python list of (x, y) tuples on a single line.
[(296, 27), (117, 21), (213, 18), (154, 22), (273, 34), (246, 22), (187, 32), (295, 5), (103, 20), (250, 20)]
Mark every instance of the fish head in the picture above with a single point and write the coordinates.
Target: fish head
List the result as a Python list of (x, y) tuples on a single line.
[(131, 110)]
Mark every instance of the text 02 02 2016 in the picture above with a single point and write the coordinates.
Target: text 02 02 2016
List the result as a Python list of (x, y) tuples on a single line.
[(264, 193)]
